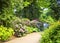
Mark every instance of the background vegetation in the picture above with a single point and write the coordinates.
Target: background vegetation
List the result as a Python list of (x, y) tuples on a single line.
[(19, 14)]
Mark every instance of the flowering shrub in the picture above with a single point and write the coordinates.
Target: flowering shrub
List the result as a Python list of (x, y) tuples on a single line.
[(18, 27), (19, 31)]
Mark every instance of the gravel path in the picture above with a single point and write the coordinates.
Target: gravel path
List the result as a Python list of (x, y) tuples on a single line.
[(30, 38)]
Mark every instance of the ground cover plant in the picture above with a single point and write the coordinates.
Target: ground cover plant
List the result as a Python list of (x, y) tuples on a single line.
[(5, 33)]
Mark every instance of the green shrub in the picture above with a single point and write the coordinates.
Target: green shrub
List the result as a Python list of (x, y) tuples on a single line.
[(51, 35), (31, 29), (23, 21), (26, 21), (6, 20), (5, 33)]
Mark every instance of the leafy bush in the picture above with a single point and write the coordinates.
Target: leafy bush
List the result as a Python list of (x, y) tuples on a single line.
[(26, 21), (31, 29), (18, 27), (6, 18), (51, 35), (19, 30), (46, 16), (5, 33), (23, 21)]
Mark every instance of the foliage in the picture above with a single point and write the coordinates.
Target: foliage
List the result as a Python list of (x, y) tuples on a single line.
[(19, 4), (3, 4), (55, 8), (52, 35), (19, 30), (46, 16), (43, 3), (31, 9), (12, 11), (22, 21), (18, 27), (7, 10), (25, 21), (24, 8), (53, 5), (5, 33), (31, 29), (22, 26)]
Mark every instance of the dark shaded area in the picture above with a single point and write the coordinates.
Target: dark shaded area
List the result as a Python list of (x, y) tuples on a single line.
[(55, 6), (4, 4)]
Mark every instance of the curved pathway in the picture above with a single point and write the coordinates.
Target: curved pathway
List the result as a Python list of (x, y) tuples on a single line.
[(30, 38)]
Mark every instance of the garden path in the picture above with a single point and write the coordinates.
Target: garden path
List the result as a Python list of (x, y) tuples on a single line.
[(30, 38)]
